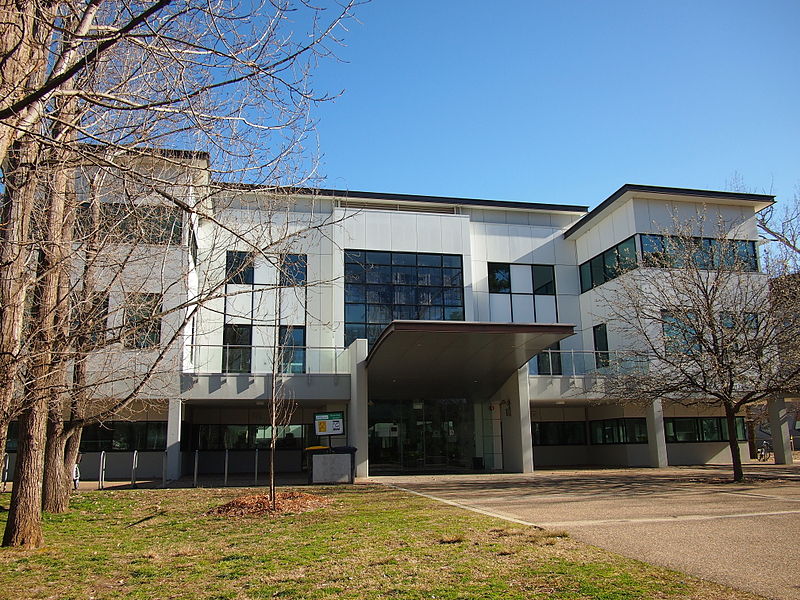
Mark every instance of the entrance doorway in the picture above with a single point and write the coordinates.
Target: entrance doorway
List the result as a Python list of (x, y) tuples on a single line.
[(423, 436)]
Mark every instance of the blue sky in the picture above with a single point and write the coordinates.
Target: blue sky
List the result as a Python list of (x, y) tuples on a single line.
[(563, 101)]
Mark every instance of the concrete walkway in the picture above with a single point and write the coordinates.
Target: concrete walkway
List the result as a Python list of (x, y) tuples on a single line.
[(693, 520)]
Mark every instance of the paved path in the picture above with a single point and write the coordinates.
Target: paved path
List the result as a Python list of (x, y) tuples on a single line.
[(690, 519)]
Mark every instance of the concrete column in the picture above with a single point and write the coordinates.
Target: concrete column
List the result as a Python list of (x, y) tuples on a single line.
[(515, 407), (779, 427), (656, 439), (357, 423), (174, 422)]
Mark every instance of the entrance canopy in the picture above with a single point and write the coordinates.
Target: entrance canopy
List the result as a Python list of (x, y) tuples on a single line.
[(453, 359)]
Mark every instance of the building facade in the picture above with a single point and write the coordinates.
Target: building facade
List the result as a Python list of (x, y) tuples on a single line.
[(454, 335)]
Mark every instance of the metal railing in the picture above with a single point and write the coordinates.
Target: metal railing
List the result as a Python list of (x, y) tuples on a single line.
[(572, 363), (239, 358)]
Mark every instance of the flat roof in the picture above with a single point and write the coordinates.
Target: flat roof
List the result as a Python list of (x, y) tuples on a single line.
[(392, 197), (453, 359), (672, 191)]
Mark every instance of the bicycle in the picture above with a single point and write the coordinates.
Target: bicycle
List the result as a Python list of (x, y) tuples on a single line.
[(764, 452)]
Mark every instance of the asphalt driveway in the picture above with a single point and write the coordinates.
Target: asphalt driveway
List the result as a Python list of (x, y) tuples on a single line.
[(693, 520)]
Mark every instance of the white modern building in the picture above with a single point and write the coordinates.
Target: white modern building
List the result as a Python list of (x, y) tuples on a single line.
[(454, 334)]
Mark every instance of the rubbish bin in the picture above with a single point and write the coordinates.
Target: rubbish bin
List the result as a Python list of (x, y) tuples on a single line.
[(351, 450), (310, 452)]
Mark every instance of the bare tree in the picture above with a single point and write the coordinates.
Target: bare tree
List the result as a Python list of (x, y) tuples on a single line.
[(77, 76), (780, 224), (709, 330)]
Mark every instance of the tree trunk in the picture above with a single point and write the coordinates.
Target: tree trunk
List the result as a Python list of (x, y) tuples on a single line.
[(45, 379), (730, 417), (24, 526), (57, 477)]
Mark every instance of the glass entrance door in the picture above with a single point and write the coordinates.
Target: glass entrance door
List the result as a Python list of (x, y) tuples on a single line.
[(422, 436)]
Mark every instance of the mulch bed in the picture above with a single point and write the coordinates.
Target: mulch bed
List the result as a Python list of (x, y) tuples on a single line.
[(259, 504)]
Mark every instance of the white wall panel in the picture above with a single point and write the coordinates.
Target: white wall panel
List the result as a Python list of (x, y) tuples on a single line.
[(404, 231), (481, 300), (522, 307), (520, 243), (293, 307), (452, 231), (239, 301), (500, 308), (429, 233), (521, 279), (546, 309), (477, 241), (567, 279), (497, 243), (379, 231)]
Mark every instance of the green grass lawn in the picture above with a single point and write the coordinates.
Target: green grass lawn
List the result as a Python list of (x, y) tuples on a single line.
[(372, 542)]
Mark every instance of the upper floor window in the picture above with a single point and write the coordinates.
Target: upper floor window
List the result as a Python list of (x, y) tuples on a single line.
[(499, 278), (600, 338), (125, 223), (293, 349), (237, 341), (680, 333), (239, 267), (380, 287), (502, 281), (608, 265), (704, 253), (142, 321), (544, 280), (293, 271)]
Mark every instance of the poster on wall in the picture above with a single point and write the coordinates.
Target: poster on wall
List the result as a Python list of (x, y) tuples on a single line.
[(329, 423)]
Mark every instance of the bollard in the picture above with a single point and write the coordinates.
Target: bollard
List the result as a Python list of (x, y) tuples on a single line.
[(101, 473), (255, 477), (134, 464), (225, 482), (196, 461), (164, 470)]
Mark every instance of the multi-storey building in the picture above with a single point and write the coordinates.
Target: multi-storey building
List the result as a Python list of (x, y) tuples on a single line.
[(454, 334)]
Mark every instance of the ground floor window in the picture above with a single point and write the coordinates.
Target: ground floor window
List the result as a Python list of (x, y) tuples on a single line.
[(125, 436), (619, 431), (559, 433), (701, 429), (247, 437)]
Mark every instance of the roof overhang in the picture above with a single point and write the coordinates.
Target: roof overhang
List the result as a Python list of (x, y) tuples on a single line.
[(453, 359), (669, 194)]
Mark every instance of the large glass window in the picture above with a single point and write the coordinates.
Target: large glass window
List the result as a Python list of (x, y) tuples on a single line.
[(246, 437), (559, 433), (608, 265), (384, 286), (142, 321), (124, 436), (237, 348), (701, 429), (705, 253), (619, 431), (124, 223), (239, 267)]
